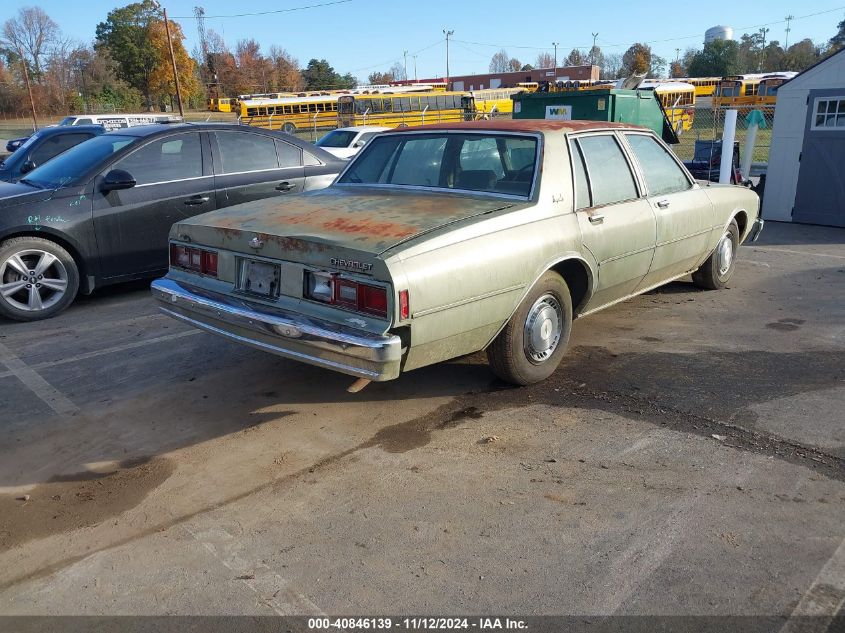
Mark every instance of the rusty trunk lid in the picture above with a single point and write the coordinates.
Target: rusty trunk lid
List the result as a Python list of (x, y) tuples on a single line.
[(360, 219)]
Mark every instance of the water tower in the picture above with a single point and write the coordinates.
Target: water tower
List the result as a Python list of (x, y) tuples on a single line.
[(718, 33)]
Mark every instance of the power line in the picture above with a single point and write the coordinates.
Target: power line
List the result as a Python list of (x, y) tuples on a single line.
[(669, 39), (245, 15), (424, 48)]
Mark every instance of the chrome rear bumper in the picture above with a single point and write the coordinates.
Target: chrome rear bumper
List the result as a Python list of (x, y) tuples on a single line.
[(292, 335)]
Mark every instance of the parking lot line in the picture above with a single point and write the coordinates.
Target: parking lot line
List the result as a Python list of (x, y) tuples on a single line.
[(108, 350), (764, 249), (273, 590), (51, 396), (823, 599)]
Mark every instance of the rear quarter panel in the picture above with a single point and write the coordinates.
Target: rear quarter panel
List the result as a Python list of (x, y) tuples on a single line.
[(730, 201)]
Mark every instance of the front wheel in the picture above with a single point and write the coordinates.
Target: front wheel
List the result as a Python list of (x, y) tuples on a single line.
[(716, 272), (534, 341), (290, 128), (38, 278)]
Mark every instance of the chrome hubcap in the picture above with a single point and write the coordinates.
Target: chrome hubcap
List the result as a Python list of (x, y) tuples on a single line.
[(543, 329), (725, 254), (32, 280)]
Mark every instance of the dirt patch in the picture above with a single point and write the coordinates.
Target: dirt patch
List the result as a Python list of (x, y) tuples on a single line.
[(70, 502)]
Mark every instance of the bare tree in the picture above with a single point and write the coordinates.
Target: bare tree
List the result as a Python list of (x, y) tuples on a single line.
[(398, 72), (611, 67), (32, 32), (500, 62), (545, 60)]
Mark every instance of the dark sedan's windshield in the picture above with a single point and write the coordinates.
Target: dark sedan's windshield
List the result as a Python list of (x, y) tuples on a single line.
[(69, 166), (488, 162)]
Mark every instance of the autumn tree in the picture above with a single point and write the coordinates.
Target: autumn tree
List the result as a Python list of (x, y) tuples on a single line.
[(126, 35), (640, 60), (285, 68), (377, 78), (161, 84), (676, 69), (514, 65)]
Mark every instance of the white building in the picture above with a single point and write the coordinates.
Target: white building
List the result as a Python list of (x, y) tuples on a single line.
[(805, 181)]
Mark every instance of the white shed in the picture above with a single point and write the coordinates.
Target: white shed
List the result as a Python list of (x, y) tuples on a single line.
[(805, 181)]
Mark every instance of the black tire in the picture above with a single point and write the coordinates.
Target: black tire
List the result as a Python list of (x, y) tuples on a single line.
[(713, 273), (511, 357), (290, 128), (59, 270)]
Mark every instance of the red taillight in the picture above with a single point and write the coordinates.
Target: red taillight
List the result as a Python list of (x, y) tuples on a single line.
[(209, 263), (195, 259), (345, 293), (404, 307), (372, 299)]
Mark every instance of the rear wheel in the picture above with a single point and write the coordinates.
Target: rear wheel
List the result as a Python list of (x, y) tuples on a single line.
[(38, 278), (534, 341), (290, 128), (716, 272)]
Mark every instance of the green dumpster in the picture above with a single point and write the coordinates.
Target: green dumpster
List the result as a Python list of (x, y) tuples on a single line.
[(638, 107)]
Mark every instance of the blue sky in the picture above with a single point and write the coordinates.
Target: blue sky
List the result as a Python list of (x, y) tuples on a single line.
[(360, 36)]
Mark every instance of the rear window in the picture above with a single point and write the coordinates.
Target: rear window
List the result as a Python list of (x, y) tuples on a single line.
[(489, 163), (337, 138)]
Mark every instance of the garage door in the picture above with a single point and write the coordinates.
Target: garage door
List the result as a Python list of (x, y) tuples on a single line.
[(820, 195)]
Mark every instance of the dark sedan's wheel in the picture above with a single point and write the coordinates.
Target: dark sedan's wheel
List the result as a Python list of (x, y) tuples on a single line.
[(716, 272), (290, 128), (38, 278), (534, 341)]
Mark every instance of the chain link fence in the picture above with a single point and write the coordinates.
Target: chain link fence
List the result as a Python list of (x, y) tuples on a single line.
[(709, 125)]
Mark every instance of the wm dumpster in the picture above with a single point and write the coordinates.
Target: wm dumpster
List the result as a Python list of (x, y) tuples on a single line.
[(638, 107)]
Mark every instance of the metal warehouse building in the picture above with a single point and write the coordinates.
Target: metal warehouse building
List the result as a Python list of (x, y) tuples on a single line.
[(805, 181)]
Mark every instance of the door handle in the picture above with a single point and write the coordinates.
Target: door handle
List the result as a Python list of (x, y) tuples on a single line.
[(663, 204), (284, 186), (596, 217), (196, 200)]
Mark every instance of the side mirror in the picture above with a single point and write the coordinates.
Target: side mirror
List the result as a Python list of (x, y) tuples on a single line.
[(117, 179), (27, 167)]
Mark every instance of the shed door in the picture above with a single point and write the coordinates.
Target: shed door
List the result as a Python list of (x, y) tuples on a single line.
[(820, 194)]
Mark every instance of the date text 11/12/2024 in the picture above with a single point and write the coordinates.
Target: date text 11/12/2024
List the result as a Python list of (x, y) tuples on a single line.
[(417, 623)]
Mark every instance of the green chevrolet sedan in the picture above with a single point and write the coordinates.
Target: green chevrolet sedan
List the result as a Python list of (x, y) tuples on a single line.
[(447, 239)]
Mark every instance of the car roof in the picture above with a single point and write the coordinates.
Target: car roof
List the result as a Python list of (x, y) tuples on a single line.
[(523, 125), (364, 128), (162, 129), (69, 129)]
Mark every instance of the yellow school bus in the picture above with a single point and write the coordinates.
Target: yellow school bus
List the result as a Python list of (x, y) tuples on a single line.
[(220, 104), (737, 90), (704, 86), (483, 104), (767, 90), (290, 113), (677, 99), (399, 110)]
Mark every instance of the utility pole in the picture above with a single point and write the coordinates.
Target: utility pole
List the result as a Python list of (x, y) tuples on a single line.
[(415, 68), (157, 5), (28, 89), (763, 32), (593, 49), (788, 19), (448, 34), (555, 44), (405, 55)]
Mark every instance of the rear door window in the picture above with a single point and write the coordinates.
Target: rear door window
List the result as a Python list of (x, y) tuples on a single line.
[(661, 172), (610, 175), (242, 152)]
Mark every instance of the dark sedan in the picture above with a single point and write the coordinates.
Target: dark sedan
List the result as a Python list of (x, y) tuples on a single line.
[(43, 146), (100, 213)]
